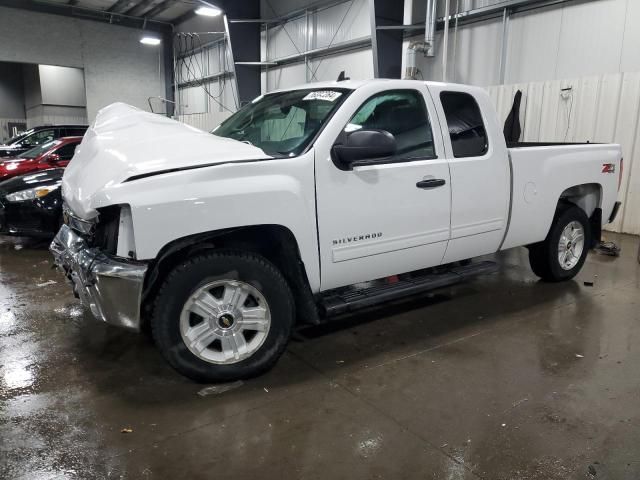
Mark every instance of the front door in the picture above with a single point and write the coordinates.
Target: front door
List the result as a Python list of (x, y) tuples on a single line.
[(389, 218)]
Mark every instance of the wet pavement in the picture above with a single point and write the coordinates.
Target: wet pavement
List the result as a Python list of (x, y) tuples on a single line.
[(501, 378)]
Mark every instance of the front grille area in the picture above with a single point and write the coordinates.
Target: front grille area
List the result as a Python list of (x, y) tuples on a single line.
[(105, 236), (84, 228), (101, 232)]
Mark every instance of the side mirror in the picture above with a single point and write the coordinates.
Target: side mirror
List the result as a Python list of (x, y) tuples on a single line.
[(364, 145), (53, 158)]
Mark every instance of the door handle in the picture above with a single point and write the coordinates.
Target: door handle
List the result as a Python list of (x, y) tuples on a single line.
[(431, 183)]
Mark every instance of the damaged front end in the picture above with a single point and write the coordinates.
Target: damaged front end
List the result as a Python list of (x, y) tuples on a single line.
[(110, 286)]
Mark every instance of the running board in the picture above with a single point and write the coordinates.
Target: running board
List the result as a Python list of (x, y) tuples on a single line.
[(335, 303)]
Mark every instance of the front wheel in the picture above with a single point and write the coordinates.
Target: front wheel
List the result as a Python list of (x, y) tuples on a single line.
[(223, 316), (561, 255)]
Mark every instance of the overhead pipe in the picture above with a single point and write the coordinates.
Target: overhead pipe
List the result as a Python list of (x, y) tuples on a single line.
[(445, 42), (426, 47), (430, 29)]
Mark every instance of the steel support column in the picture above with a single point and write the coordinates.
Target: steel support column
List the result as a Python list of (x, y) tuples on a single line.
[(504, 44), (168, 55), (244, 39), (386, 43)]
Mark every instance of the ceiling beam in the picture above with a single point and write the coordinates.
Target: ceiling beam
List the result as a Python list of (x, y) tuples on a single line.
[(119, 5), (159, 8), (78, 11), (139, 7)]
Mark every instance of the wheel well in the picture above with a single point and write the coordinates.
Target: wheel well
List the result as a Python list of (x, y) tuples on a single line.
[(274, 242), (588, 197)]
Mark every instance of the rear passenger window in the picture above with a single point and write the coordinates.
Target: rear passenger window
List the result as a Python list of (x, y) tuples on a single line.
[(401, 113), (75, 132), (466, 129)]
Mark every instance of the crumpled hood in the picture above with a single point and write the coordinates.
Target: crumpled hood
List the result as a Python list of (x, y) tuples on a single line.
[(125, 141)]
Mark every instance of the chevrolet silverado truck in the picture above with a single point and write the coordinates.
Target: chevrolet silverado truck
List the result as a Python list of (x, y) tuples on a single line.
[(308, 203)]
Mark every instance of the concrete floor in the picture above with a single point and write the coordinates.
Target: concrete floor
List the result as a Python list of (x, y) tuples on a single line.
[(501, 378)]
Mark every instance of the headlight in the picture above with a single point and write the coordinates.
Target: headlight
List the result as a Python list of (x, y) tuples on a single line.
[(31, 194)]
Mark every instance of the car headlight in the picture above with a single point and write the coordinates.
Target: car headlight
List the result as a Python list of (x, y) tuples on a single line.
[(31, 193)]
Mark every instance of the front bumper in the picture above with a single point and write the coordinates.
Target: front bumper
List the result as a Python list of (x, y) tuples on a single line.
[(110, 286)]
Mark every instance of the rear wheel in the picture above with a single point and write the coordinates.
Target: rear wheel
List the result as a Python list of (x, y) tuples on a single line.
[(561, 255), (223, 316)]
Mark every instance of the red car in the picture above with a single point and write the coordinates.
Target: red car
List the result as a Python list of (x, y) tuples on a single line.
[(54, 154)]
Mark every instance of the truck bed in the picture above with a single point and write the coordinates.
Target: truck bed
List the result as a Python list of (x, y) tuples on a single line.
[(545, 144), (540, 174)]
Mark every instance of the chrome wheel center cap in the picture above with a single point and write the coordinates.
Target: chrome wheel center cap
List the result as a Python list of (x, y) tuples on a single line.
[(226, 320)]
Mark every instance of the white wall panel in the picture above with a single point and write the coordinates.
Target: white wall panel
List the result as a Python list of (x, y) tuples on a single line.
[(204, 121), (344, 22), (626, 134), (605, 109), (591, 38), (358, 65), (287, 76), (630, 59), (477, 60), (287, 39), (532, 48), (571, 40)]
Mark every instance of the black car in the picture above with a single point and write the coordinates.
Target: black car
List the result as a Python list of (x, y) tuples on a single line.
[(37, 136), (31, 204)]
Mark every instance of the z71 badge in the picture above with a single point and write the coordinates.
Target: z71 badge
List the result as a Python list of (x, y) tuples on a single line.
[(608, 168)]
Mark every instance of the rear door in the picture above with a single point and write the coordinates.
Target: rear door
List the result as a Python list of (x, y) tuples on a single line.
[(389, 218), (479, 166)]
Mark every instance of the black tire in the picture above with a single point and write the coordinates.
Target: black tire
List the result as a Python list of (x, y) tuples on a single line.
[(543, 256), (199, 270)]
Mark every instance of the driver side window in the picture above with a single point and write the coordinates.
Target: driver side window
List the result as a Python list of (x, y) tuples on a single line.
[(401, 113), (66, 152), (38, 138)]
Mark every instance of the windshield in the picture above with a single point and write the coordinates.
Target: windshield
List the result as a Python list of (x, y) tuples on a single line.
[(283, 124), (39, 150)]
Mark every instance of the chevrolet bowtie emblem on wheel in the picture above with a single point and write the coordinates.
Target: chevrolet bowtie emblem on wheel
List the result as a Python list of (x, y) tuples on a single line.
[(225, 321)]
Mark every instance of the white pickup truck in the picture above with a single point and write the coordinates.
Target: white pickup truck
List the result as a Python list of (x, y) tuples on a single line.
[(311, 202)]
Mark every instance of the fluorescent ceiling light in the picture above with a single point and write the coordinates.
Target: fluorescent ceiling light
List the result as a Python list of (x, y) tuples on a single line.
[(150, 40), (208, 11)]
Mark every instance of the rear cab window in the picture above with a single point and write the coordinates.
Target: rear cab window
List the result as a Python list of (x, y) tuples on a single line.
[(466, 128)]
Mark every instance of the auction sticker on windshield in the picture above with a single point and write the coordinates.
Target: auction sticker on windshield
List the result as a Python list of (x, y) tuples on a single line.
[(327, 95)]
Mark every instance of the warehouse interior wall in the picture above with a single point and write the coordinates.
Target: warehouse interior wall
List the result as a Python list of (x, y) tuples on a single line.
[(596, 109), (204, 72), (12, 108), (54, 95), (205, 103), (116, 66), (568, 40)]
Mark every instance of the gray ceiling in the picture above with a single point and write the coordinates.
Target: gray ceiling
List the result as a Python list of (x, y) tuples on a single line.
[(160, 10)]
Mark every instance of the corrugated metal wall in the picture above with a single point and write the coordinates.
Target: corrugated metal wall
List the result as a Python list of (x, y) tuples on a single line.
[(207, 102), (320, 28), (602, 108), (573, 39)]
